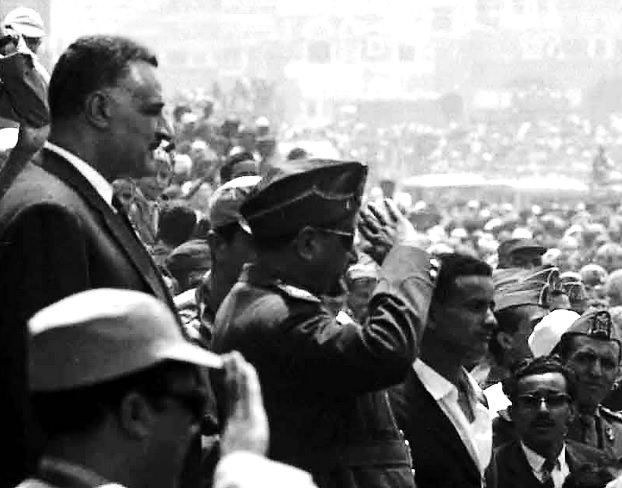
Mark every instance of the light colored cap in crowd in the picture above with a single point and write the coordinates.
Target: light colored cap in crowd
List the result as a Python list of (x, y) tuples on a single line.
[(522, 233), (8, 138), (25, 21), (547, 334), (225, 202), (99, 335)]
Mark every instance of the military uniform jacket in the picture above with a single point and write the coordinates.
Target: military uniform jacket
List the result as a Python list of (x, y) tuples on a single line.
[(323, 381), (606, 431)]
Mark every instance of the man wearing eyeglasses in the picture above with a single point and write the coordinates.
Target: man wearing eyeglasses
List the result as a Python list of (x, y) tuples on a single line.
[(541, 392), (591, 348), (322, 380)]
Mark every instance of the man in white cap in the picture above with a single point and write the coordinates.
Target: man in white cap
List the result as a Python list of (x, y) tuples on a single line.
[(23, 88), (128, 421), (27, 23)]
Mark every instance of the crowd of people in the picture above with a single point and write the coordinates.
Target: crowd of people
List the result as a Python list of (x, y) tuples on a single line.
[(184, 306)]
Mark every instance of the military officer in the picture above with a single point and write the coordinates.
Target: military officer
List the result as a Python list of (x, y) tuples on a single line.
[(591, 347), (324, 382)]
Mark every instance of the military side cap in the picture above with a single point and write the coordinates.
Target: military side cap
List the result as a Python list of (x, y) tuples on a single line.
[(596, 324), (225, 202), (306, 192), (516, 286), (100, 335)]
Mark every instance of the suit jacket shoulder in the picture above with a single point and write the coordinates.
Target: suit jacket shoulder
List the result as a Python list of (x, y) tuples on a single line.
[(440, 457), (579, 454)]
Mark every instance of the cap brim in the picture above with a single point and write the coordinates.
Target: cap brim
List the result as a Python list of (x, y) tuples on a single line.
[(189, 353), (539, 249), (29, 31)]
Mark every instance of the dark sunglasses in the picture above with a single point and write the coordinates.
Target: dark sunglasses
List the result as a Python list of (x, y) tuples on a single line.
[(347, 238), (533, 402)]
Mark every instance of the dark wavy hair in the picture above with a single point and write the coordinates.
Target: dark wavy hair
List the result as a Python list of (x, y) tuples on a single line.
[(539, 365)]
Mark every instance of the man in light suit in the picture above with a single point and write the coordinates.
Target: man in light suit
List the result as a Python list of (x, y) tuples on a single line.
[(60, 232)]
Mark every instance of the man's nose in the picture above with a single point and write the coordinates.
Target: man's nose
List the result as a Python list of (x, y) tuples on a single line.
[(490, 321), (596, 368), (164, 129), (544, 406)]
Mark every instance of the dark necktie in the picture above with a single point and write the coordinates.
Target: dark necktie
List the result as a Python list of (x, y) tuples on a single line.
[(547, 470)]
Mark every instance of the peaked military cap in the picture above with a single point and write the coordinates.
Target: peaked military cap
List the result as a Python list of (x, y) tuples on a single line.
[(596, 324), (306, 192), (516, 286)]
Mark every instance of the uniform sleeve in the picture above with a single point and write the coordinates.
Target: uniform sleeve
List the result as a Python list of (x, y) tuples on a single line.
[(353, 358), (24, 91)]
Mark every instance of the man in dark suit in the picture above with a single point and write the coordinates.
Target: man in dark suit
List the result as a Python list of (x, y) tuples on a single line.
[(440, 407), (60, 232), (541, 392)]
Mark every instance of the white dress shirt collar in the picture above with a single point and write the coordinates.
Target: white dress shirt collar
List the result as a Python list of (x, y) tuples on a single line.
[(97, 181), (476, 434), (536, 462)]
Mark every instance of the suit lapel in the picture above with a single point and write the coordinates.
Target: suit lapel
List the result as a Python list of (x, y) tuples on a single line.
[(437, 421), (122, 232), (519, 468)]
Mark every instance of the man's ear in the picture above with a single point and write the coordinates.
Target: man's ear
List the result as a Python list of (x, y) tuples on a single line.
[(307, 244), (216, 244), (135, 416), (97, 109), (505, 340)]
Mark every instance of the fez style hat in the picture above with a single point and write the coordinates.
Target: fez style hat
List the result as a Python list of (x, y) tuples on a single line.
[(225, 203), (306, 192)]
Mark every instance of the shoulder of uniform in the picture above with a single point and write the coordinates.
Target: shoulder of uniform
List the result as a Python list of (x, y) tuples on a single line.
[(610, 414), (297, 293)]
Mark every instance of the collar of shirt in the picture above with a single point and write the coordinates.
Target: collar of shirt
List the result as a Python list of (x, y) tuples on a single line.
[(81, 475), (97, 181), (536, 461), (437, 385)]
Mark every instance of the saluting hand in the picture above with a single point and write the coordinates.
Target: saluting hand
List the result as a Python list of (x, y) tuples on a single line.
[(384, 226)]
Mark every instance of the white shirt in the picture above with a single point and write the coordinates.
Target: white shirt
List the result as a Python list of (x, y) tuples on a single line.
[(476, 435), (97, 181), (497, 400), (536, 462), (242, 469)]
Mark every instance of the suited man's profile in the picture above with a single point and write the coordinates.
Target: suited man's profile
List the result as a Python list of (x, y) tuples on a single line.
[(60, 232)]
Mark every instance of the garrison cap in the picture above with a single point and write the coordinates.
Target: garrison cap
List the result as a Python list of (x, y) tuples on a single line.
[(516, 286), (596, 324), (307, 192)]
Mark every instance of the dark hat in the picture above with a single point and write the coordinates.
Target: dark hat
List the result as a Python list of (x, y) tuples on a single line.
[(307, 192), (514, 245), (516, 286), (189, 256), (596, 324)]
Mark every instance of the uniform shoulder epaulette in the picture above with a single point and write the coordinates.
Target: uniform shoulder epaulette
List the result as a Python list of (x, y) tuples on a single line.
[(616, 415), (297, 293)]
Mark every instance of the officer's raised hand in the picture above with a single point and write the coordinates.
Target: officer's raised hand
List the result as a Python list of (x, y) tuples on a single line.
[(384, 226)]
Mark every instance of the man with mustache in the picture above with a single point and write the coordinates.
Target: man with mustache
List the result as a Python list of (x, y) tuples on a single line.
[(541, 392), (591, 349)]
